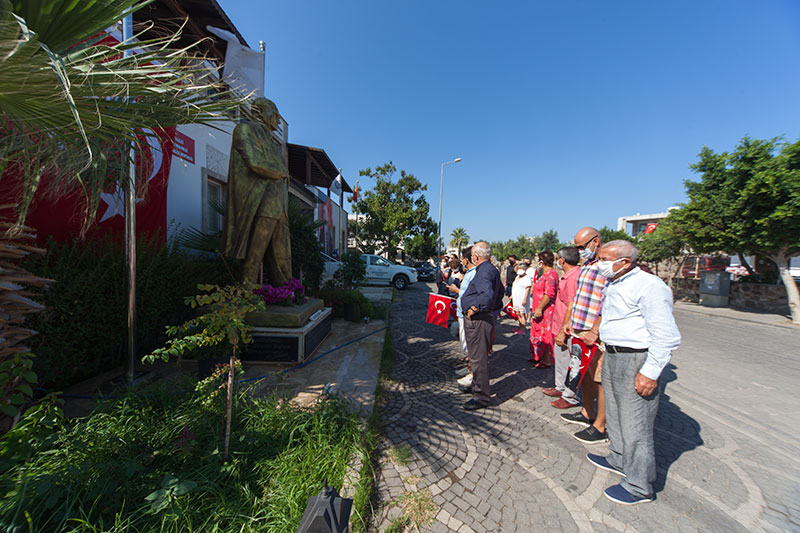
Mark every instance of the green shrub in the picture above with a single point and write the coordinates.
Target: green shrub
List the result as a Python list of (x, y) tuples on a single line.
[(153, 463), (82, 331)]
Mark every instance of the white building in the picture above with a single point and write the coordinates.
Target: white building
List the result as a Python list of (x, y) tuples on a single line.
[(640, 223)]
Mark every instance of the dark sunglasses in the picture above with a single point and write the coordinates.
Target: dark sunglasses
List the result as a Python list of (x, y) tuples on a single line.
[(583, 246)]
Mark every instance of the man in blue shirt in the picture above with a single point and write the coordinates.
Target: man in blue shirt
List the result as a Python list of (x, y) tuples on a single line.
[(479, 301)]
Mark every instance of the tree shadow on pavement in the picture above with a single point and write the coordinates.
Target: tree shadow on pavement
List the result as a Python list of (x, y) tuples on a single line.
[(675, 431)]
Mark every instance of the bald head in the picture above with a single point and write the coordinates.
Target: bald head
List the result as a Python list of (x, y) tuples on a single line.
[(585, 235)]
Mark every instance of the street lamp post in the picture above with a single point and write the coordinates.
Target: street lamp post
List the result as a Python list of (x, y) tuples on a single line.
[(439, 227)]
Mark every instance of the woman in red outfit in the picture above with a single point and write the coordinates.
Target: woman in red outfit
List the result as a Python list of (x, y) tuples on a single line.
[(543, 296)]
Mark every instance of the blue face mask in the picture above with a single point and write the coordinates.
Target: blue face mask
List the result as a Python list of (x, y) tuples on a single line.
[(587, 254)]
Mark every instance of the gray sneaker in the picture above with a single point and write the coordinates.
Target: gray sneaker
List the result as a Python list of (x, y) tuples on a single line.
[(591, 435)]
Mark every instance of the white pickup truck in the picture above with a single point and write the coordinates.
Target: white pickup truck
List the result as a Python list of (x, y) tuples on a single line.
[(379, 271)]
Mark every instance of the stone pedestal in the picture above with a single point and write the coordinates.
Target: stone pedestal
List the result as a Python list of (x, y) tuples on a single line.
[(288, 334)]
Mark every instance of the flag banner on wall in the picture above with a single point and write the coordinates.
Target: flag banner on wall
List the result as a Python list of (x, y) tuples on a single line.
[(440, 310), (60, 217), (651, 227)]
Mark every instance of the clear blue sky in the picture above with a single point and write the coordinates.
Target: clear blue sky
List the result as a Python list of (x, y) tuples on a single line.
[(566, 113)]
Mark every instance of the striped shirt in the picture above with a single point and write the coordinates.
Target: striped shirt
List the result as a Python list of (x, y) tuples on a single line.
[(588, 300)]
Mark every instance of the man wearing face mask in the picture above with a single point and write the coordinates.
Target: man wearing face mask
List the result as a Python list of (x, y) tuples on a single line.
[(640, 334), (583, 317)]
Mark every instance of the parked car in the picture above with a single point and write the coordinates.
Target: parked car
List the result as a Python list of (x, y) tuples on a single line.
[(379, 271), (425, 271), (696, 265)]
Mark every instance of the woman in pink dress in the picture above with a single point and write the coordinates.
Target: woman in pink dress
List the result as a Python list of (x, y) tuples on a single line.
[(544, 296)]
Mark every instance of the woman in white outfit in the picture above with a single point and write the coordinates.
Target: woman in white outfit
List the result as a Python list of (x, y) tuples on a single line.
[(520, 297)]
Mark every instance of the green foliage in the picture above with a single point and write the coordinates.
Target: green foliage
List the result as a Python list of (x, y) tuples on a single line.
[(459, 238), (222, 320), (609, 234), (422, 245), (307, 262), (66, 107), (153, 463), (394, 210), (524, 246), (746, 201), (664, 243), (82, 329), (352, 273)]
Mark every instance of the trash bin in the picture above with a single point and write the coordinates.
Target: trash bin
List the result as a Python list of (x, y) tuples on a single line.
[(715, 288)]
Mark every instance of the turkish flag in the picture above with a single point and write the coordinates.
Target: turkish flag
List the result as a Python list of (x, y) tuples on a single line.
[(59, 217), (440, 309), (509, 310), (651, 227), (580, 358)]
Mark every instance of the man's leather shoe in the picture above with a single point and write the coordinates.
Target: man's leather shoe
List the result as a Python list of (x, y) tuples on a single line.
[(561, 403), (473, 404), (552, 392)]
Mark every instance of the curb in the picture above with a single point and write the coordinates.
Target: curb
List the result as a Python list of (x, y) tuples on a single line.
[(788, 325)]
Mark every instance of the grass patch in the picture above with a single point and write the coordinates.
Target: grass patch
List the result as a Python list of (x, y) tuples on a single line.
[(418, 507), (153, 463), (397, 524), (400, 454)]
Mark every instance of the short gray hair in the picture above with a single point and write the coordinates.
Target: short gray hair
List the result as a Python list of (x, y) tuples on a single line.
[(482, 250), (624, 249)]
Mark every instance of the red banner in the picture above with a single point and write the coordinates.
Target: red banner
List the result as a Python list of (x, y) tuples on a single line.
[(651, 227), (440, 310), (580, 358), (61, 217)]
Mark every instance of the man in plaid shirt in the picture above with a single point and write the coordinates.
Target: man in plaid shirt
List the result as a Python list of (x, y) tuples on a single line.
[(583, 317)]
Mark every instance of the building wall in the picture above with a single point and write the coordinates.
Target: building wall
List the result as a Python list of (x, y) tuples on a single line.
[(185, 195)]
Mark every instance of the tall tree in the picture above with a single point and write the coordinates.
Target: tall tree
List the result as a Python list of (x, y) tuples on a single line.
[(423, 245), (393, 210), (609, 234), (548, 240), (459, 237), (748, 201), (664, 244)]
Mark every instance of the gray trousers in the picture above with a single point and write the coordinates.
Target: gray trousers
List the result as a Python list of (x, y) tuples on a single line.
[(479, 339), (561, 358), (629, 422)]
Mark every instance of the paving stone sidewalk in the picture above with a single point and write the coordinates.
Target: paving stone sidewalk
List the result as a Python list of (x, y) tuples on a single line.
[(516, 466)]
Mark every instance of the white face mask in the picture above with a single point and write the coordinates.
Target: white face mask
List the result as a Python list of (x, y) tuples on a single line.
[(606, 268), (587, 254)]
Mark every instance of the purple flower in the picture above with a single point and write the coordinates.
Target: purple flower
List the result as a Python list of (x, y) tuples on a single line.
[(291, 292)]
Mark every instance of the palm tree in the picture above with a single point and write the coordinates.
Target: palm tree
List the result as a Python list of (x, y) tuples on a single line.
[(71, 104), (459, 237)]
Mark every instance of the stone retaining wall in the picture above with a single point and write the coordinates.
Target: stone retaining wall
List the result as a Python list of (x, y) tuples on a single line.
[(753, 296)]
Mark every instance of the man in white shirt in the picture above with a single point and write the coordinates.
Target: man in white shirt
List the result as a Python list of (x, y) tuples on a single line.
[(639, 333)]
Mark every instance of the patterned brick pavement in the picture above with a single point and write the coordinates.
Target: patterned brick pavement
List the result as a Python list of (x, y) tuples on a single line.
[(516, 467)]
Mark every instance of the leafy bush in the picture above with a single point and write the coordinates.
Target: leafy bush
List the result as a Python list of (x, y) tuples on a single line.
[(82, 330), (352, 273), (154, 464)]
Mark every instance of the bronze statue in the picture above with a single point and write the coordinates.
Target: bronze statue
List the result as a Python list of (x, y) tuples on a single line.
[(257, 223)]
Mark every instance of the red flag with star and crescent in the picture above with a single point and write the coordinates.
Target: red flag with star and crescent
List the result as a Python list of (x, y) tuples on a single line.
[(440, 310)]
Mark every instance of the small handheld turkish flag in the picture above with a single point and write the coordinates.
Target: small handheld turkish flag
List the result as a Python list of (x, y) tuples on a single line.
[(509, 310), (581, 357), (440, 309)]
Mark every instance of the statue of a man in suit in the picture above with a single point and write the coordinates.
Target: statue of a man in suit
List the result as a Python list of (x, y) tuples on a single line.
[(257, 223)]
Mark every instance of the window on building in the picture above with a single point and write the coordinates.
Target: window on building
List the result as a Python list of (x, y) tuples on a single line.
[(214, 197)]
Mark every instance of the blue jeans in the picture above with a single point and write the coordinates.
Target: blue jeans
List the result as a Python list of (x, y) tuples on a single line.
[(629, 422)]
